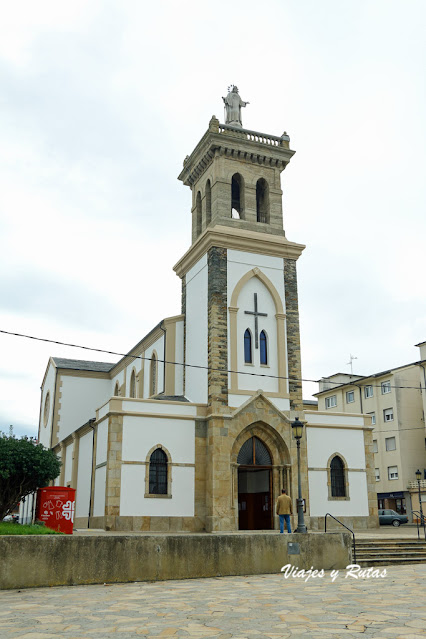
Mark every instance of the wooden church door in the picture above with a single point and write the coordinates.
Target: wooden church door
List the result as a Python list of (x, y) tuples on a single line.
[(255, 508)]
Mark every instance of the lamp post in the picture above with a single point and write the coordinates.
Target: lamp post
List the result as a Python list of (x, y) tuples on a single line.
[(418, 477), (297, 427)]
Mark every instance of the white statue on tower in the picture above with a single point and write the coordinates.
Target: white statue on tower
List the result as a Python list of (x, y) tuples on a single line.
[(233, 104)]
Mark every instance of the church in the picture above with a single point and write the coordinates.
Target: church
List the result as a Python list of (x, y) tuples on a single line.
[(191, 430)]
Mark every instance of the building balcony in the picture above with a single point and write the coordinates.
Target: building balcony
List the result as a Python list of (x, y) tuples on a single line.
[(414, 485)]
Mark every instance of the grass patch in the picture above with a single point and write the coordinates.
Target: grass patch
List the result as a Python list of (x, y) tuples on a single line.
[(10, 528)]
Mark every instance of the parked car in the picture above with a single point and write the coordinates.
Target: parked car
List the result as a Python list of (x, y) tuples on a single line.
[(14, 518), (388, 516)]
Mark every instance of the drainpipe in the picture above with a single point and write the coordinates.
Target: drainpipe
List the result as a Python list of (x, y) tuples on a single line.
[(164, 358), (360, 395), (90, 424), (421, 390)]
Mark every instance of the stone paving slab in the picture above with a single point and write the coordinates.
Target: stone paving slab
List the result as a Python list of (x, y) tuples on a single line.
[(254, 607)]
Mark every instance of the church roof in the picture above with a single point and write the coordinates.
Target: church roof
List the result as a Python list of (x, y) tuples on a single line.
[(83, 365)]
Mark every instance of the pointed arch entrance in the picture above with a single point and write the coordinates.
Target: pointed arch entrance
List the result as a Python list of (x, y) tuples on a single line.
[(255, 506)]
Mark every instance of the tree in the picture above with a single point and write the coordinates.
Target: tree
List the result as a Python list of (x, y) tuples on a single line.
[(24, 467)]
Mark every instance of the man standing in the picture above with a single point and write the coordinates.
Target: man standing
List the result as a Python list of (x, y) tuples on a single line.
[(284, 510)]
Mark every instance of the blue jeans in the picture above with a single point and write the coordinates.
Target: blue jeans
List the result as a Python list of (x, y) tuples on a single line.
[(287, 521)]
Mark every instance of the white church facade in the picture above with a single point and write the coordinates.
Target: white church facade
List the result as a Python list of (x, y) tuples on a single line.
[(191, 430)]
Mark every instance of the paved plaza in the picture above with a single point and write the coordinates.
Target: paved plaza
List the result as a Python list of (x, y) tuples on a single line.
[(254, 607)]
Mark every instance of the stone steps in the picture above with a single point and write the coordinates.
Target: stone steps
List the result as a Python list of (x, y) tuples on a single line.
[(390, 552)]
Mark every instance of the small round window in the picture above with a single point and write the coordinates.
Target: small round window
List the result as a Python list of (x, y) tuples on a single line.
[(46, 409)]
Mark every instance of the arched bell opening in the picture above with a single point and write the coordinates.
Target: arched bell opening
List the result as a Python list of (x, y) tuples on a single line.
[(237, 197), (262, 201)]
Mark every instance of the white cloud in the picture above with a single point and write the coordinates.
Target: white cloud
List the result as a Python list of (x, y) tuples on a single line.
[(102, 101)]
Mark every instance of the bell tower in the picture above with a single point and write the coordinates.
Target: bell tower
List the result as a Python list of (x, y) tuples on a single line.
[(239, 299), (234, 175), (237, 217)]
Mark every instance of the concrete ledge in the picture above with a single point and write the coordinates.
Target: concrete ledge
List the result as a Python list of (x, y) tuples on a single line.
[(38, 561)]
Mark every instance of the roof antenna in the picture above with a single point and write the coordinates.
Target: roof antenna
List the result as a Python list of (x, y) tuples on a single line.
[(350, 363)]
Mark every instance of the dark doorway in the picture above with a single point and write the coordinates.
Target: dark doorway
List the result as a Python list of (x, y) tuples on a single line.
[(254, 486), (254, 499)]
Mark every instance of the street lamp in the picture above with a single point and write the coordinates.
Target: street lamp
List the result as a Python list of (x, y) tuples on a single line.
[(297, 427), (418, 477)]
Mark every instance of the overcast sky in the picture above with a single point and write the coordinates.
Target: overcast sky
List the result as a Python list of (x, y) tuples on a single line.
[(101, 101)]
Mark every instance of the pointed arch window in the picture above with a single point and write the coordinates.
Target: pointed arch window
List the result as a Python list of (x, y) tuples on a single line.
[(158, 472), (116, 389), (337, 476), (153, 375), (133, 384), (254, 453), (263, 343), (248, 352), (262, 201)]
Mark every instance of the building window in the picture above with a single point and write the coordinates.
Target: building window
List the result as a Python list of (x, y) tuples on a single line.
[(133, 384), (392, 472), (158, 473), (248, 358), (386, 387), (208, 203), (153, 375), (350, 397), (368, 391), (375, 447), (377, 473), (388, 415), (337, 472), (262, 201), (373, 418), (199, 214), (254, 453), (263, 348), (116, 389), (331, 402), (390, 443), (237, 197)]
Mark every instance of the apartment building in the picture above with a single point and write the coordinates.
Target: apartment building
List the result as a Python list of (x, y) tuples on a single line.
[(395, 400)]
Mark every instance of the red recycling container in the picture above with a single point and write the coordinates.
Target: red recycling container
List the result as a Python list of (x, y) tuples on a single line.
[(55, 506)]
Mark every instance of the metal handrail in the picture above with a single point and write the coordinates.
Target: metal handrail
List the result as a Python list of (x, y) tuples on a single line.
[(342, 524), (421, 523)]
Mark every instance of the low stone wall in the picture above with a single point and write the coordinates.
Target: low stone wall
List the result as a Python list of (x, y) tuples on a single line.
[(37, 561)]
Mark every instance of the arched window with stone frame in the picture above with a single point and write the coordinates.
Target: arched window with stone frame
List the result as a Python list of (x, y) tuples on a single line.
[(262, 200), (237, 196), (263, 344), (158, 476), (337, 475), (153, 375), (117, 389), (208, 202), (248, 350), (133, 384), (158, 473)]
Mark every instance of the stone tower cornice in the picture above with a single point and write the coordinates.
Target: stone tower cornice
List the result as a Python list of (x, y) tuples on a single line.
[(240, 144), (240, 240)]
